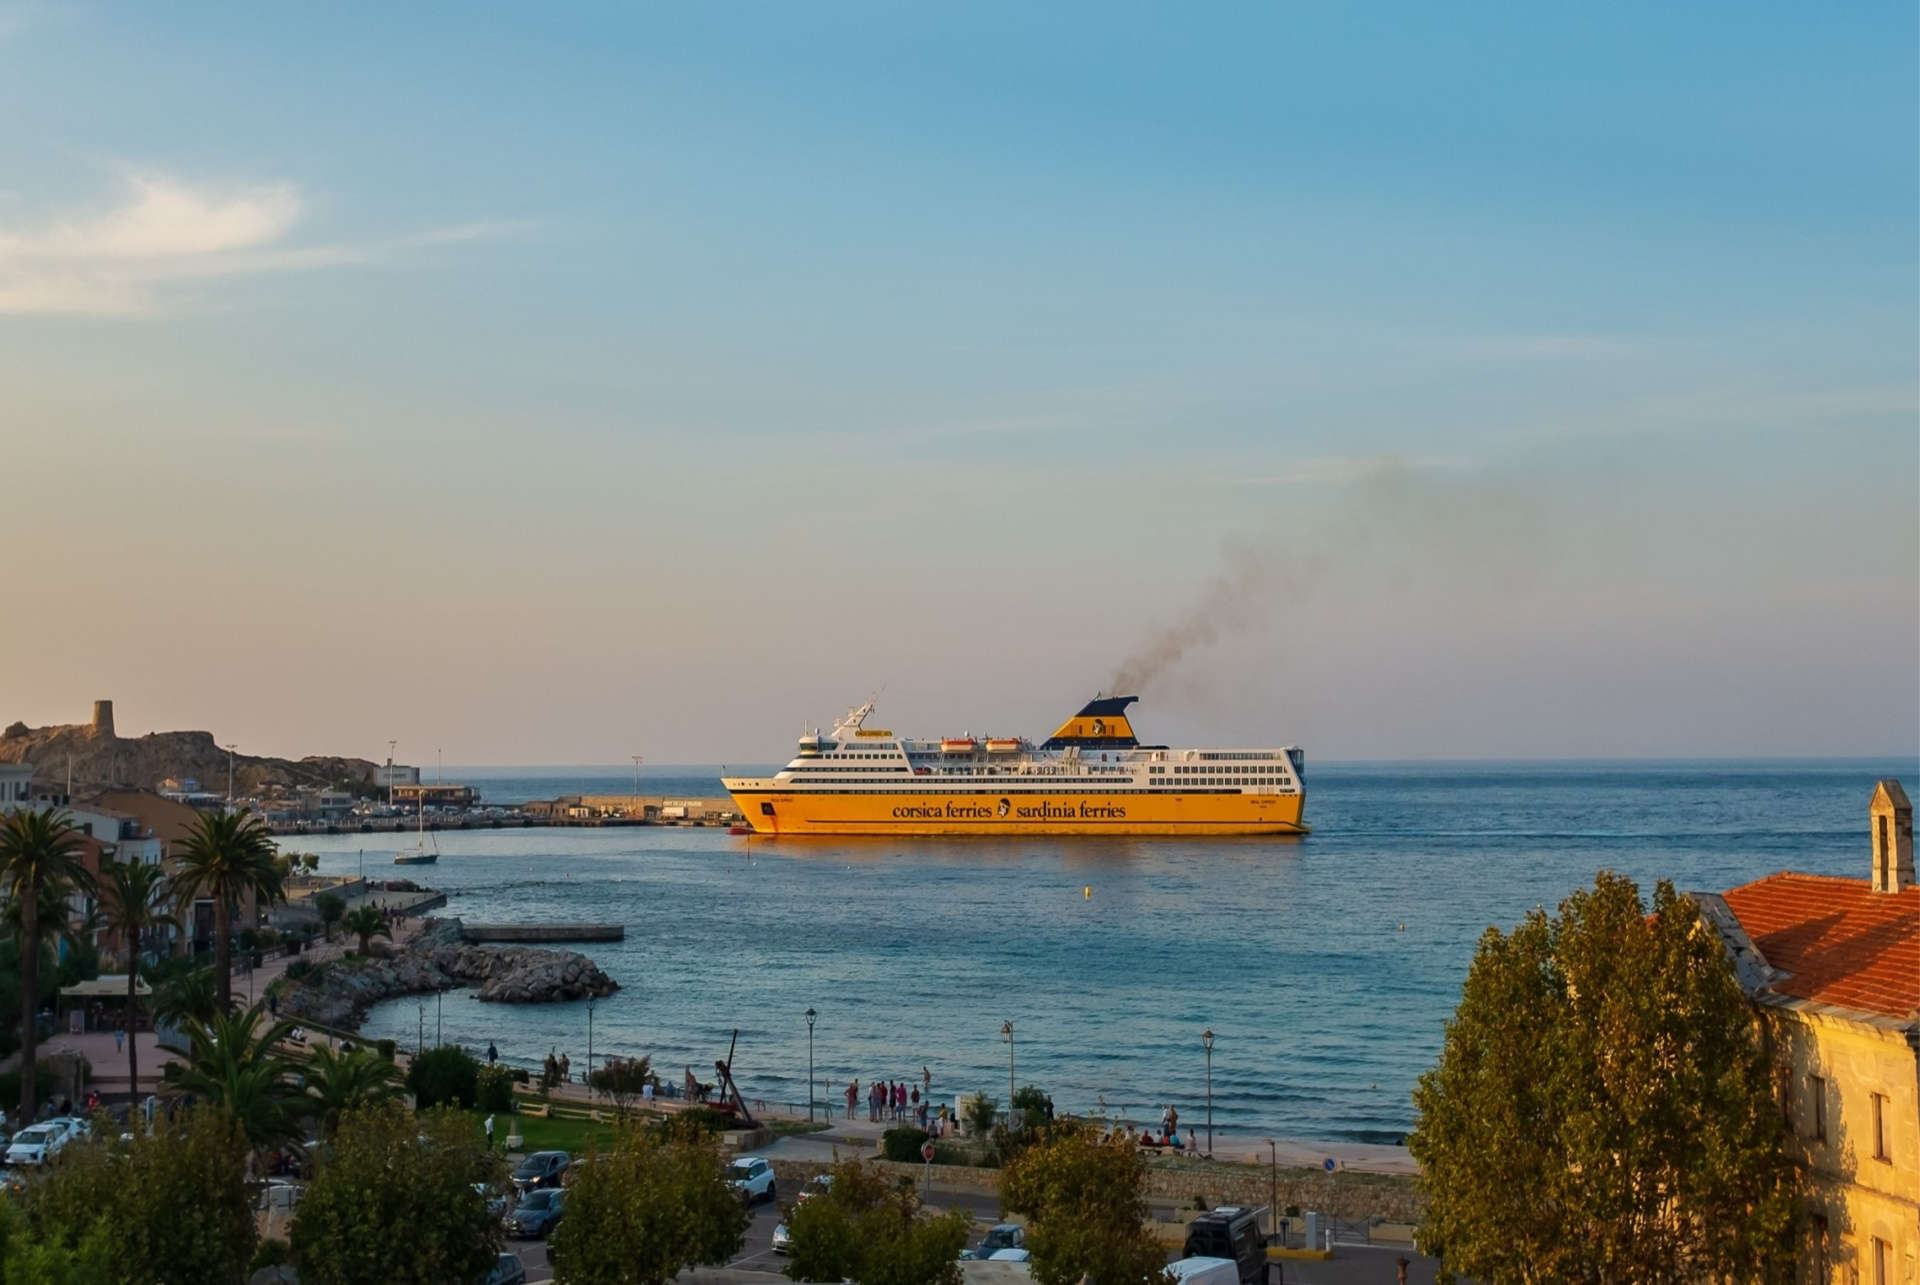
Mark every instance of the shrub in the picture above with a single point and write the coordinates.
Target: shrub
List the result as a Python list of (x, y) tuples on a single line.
[(296, 969), (902, 1144), (446, 1074), (271, 1252), (386, 1048), (1032, 1101), (702, 1119), (981, 1112), (493, 1090)]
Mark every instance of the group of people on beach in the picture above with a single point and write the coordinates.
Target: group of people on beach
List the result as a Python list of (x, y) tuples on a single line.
[(1168, 1136), (893, 1099)]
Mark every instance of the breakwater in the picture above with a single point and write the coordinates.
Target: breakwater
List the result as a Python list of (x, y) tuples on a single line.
[(338, 993)]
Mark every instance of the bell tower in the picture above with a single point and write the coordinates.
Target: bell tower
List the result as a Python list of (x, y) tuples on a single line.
[(1891, 818)]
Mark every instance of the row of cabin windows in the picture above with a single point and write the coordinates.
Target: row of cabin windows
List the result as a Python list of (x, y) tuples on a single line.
[(1817, 1125)]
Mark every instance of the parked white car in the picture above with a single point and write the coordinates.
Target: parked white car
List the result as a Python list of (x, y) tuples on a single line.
[(752, 1179), (36, 1145)]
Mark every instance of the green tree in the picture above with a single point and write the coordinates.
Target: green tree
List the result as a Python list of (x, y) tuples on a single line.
[(648, 1207), (366, 923), (872, 1232), (622, 1080), (981, 1112), (493, 1088), (331, 907), (446, 1074), (1031, 1100), (1603, 1106), (233, 1063), (133, 905), (174, 1202), (340, 1082), (1085, 1197), (38, 851), (226, 858), (397, 1200)]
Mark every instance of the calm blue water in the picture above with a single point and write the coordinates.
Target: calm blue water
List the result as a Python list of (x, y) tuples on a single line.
[(1326, 966)]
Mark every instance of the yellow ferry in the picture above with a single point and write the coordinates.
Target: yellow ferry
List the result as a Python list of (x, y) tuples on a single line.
[(1092, 776)]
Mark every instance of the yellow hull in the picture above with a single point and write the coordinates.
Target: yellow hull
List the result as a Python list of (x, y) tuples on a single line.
[(776, 811)]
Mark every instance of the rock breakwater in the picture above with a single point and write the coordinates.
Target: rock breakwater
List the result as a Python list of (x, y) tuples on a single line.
[(339, 993)]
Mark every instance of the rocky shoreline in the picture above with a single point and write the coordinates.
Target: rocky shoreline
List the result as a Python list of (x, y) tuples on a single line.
[(338, 993)]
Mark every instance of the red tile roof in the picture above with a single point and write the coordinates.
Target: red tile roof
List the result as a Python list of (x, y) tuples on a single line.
[(1842, 942)]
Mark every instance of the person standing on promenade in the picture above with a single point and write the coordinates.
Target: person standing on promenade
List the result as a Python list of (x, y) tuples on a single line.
[(119, 1038), (853, 1091), (493, 1054), (926, 1081), (489, 1133), (566, 1070)]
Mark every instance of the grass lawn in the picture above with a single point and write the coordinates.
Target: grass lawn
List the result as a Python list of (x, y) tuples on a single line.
[(573, 1136)]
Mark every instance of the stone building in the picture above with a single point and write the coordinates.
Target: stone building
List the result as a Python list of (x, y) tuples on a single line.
[(1833, 967)]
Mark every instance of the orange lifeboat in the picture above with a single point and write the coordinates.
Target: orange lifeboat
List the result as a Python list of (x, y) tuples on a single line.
[(957, 745), (1003, 745)]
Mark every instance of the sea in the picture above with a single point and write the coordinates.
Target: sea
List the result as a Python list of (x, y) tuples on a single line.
[(1326, 966)]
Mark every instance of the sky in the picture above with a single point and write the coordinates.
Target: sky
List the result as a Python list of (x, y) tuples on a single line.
[(550, 384)]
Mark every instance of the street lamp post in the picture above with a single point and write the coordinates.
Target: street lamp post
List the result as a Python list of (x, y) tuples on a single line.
[(1006, 1033), (1206, 1042), (230, 750), (420, 1036), (589, 1076), (637, 760), (811, 1015), (1273, 1186), (438, 1038)]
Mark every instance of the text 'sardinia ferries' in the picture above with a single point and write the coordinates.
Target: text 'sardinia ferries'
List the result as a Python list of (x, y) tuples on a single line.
[(1090, 777)]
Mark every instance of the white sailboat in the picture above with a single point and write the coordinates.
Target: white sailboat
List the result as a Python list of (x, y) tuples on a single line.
[(422, 854)]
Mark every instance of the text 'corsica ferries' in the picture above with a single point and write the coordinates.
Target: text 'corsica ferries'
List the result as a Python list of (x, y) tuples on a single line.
[(1090, 777)]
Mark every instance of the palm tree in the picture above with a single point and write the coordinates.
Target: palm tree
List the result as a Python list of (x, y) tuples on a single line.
[(188, 996), (38, 851), (367, 923), (232, 1064), (133, 906), (331, 906), (225, 858), (338, 1082)]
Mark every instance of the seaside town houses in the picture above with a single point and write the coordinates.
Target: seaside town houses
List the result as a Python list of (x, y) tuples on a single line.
[(1833, 967)]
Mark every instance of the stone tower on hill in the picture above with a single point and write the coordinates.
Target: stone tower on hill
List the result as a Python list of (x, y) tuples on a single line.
[(102, 724)]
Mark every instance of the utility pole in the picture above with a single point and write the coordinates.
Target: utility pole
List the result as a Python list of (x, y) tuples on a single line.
[(390, 745), (230, 750), (637, 758)]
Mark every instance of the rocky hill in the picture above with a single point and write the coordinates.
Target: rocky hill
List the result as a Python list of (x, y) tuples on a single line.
[(102, 759)]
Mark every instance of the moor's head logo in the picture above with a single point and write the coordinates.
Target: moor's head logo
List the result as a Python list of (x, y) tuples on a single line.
[(1005, 807)]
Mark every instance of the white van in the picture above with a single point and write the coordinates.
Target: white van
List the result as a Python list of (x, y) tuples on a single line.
[(1205, 1271)]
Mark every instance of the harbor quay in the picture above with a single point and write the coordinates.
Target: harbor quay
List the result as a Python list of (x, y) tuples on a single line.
[(582, 810)]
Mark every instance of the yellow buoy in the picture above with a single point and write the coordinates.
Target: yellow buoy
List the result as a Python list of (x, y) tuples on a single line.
[(1088, 890)]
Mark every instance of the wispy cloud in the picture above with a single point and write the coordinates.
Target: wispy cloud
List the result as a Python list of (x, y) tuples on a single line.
[(120, 262)]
